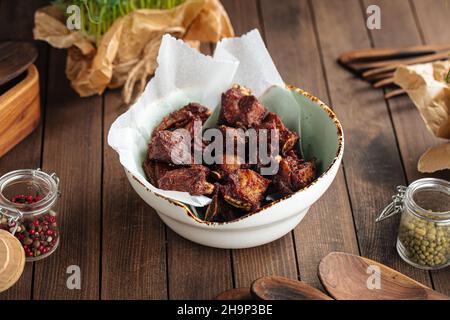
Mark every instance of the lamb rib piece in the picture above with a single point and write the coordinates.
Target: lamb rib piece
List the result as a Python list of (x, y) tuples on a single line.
[(240, 109), (245, 189), (294, 174), (171, 147), (190, 179)]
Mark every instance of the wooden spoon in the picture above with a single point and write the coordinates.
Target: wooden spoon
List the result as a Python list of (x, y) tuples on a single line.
[(235, 294), (15, 58), (347, 277), (280, 288)]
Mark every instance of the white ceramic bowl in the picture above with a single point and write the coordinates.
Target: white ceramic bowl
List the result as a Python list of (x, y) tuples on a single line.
[(322, 137)]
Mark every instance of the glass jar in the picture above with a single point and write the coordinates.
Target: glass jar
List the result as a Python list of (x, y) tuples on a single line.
[(27, 201), (424, 233)]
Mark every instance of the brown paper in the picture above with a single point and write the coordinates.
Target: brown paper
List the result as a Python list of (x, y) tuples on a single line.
[(427, 87), (126, 54), (435, 159)]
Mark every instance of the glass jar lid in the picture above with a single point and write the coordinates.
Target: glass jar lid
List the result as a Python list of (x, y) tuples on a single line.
[(427, 198), (29, 182)]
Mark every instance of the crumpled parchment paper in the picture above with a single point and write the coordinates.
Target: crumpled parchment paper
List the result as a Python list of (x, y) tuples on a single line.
[(184, 75), (126, 54), (427, 87)]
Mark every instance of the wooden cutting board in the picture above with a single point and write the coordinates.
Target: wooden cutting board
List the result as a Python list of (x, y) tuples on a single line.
[(15, 58)]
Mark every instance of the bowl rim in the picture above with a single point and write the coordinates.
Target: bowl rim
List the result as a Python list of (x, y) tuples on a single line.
[(335, 161)]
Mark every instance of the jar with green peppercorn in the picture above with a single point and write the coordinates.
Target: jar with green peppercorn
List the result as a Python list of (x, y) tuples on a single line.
[(424, 233), (27, 201)]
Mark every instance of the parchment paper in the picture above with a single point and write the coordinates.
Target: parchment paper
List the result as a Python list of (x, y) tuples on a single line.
[(184, 75), (427, 87)]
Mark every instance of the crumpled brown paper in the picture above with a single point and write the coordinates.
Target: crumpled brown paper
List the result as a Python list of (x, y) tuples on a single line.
[(126, 54), (436, 158), (427, 87)]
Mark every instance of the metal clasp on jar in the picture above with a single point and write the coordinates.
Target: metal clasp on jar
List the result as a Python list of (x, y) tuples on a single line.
[(55, 177), (396, 206), (12, 219)]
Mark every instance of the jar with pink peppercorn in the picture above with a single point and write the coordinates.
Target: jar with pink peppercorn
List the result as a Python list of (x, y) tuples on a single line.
[(27, 201)]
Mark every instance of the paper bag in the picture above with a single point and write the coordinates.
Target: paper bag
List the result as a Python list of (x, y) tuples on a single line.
[(428, 87), (126, 54)]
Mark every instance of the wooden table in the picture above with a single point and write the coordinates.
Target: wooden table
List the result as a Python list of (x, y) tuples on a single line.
[(123, 248)]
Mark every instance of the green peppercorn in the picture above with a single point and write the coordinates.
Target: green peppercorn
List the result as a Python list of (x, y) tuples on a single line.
[(425, 242)]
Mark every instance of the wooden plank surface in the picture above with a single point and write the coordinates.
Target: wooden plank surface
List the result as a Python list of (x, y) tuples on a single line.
[(277, 258), (27, 154), (195, 271), (399, 29), (373, 165), (328, 226), (133, 242), (123, 249), (431, 15), (72, 149)]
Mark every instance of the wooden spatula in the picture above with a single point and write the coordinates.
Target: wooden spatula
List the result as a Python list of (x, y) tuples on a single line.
[(274, 288), (15, 58), (377, 54), (377, 65), (346, 277), (280, 288)]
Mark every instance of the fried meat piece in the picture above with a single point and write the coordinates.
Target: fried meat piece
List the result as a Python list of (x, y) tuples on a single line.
[(190, 179), (229, 113), (252, 112), (184, 118), (294, 174), (229, 164), (170, 146), (234, 134), (220, 211), (155, 170), (245, 189), (240, 109), (287, 138), (234, 140)]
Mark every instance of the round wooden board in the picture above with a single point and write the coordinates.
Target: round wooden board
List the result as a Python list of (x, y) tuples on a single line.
[(4, 255), (12, 260), (15, 58)]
